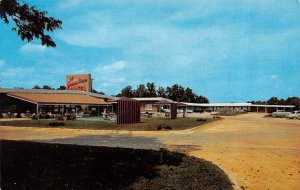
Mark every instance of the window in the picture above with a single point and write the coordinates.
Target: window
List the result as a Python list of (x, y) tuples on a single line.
[(148, 107)]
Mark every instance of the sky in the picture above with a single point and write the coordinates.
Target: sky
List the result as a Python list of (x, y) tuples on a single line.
[(227, 51)]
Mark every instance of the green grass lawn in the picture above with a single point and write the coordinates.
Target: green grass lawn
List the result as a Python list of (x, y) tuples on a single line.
[(147, 124)]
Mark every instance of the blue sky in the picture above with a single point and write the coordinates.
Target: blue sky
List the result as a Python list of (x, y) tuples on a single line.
[(228, 51)]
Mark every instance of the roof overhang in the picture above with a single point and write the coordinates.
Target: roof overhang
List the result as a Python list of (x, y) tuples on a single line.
[(59, 99)]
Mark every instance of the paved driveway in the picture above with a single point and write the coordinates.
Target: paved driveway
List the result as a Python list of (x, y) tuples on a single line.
[(255, 152)]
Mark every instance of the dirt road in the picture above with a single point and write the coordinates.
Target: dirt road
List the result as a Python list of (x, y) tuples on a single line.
[(255, 152)]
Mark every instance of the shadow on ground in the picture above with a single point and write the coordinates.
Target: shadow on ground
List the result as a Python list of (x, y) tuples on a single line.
[(125, 141), (31, 165)]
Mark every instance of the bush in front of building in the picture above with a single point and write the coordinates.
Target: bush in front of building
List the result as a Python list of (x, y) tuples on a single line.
[(55, 124), (164, 127)]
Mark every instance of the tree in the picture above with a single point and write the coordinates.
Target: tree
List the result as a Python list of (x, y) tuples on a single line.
[(161, 92), (258, 102), (175, 92), (36, 87), (293, 101), (189, 95), (61, 88), (47, 87), (201, 99), (98, 92), (273, 101), (127, 92), (150, 91), (140, 91), (29, 22)]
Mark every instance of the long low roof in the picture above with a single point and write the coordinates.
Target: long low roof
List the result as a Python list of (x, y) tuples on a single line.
[(216, 104), (235, 105), (50, 99), (153, 99)]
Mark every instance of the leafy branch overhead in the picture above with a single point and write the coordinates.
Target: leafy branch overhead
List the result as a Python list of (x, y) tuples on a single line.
[(30, 23)]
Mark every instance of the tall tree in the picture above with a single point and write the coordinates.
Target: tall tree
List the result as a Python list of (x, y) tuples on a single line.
[(98, 92), (150, 91), (47, 87), (140, 91), (29, 22), (189, 95), (201, 99), (36, 87), (126, 92), (293, 101), (161, 92), (273, 101), (62, 87)]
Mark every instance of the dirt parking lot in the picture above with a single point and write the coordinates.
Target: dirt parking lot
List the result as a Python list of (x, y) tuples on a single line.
[(255, 152)]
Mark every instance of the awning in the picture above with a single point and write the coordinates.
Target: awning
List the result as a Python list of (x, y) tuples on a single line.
[(58, 99)]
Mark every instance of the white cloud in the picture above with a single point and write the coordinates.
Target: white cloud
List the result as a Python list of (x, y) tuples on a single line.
[(69, 4), (118, 65), (115, 66), (16, 72), (30, 48), (274, 77), (2, 62), (112, 82)]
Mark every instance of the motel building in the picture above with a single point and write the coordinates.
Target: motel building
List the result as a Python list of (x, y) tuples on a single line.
[(155, 104), (83, 103), (78, 99)]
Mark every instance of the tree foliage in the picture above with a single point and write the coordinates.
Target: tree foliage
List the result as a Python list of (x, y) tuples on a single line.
[(36, 87), (175, 92), (29, 22), (98, 92), (275, 101), (62, 87), (126, 92)]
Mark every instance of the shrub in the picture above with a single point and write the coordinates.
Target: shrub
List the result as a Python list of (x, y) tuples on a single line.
[(55, 124), (168, 127), (159, 127)]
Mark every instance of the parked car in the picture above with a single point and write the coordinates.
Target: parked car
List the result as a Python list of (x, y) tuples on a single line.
[(294, 115), (179, 110), (189, 111), (280, 113), (166, 110)]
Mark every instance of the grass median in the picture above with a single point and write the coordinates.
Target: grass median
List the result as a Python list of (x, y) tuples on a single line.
[(29, 165), (146, 124)]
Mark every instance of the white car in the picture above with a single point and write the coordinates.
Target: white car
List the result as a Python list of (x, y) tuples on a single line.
[(166, 110), (189, 111), (280, 113), (294, 115)]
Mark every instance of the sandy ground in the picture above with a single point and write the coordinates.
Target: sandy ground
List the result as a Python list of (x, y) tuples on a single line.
[(255, 152)]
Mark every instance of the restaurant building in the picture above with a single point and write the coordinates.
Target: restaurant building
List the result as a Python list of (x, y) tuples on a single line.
[(54, 101)]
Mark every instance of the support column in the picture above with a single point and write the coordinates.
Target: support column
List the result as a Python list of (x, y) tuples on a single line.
[(256, 108), (37, 109), (184, 111), (266, 110)]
